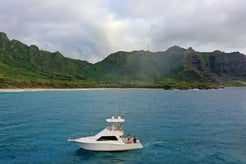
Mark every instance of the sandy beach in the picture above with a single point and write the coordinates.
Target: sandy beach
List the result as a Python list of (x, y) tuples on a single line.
[(52, 89), (43, 89)]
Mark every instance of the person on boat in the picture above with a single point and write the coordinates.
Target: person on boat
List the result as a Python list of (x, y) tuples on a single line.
[(134, 140), (129, 138)]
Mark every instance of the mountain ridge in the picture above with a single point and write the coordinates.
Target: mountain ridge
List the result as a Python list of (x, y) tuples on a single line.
[(177, 67)]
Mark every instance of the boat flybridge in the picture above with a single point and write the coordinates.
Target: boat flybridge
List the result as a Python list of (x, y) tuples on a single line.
[(111, 138)]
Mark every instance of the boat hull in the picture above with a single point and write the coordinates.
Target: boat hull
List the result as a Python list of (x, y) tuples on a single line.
[(110, 146)]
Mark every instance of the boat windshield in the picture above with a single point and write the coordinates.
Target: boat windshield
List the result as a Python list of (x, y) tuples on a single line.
[(107, 138)]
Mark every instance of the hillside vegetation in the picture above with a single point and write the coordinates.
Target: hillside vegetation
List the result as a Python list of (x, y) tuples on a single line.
[(23, 66)]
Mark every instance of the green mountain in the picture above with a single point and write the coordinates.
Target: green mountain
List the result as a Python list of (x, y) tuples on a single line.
[(176, 68), (27, 66)]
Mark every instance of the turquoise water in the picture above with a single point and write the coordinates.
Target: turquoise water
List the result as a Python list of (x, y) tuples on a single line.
[(176, 126)]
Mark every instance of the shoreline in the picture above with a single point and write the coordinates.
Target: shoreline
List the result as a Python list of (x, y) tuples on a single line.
[(48, 89), (84, 89), (61, 89)]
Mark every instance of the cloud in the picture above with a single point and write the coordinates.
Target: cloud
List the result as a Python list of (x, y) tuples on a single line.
[(205, 25), (92, 29)]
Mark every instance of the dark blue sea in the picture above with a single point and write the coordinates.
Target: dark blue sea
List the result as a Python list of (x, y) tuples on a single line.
[(174, 126)]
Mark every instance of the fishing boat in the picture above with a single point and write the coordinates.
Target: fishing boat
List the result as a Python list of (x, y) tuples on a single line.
[(112, 138)]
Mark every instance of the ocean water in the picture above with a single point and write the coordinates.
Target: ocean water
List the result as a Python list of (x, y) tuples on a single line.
[(174, 126)]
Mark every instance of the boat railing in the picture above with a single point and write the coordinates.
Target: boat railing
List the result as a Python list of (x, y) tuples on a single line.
[(115, 127), (129, 140), (75, 136)]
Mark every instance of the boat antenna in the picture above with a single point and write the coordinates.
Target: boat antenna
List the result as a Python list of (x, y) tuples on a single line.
[(115, 111), (124, 113)]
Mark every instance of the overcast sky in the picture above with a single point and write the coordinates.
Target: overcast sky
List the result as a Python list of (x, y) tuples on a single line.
[(92, 29)]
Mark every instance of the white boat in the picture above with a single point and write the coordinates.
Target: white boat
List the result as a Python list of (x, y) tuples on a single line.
[(111, 138)]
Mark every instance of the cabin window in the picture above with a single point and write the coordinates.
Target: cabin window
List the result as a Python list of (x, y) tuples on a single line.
[(107, 138)]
